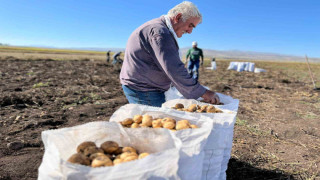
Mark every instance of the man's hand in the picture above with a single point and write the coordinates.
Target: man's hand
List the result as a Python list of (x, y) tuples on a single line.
[(211, 97), (201, 63)]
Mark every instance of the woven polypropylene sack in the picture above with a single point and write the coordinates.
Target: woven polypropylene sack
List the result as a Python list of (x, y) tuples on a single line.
[(219, 143), (162, 163), (193, 140)]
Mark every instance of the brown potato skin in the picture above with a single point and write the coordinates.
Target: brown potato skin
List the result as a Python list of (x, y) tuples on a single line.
[(192, 108), (79, 158), (135, 125), (84, 145), (129, 149), (183, 124), (137, 118), (109, 147), (101, 161), (127, 122), (169, 125), (179, 106), (156, 123), (147, 120), (91, 150), (95, 155), (117, 161)]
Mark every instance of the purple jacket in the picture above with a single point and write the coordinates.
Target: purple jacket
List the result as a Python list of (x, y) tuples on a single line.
[(152, 62)]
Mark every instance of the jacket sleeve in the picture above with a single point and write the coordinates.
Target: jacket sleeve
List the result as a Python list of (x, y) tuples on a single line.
[(167, 58)]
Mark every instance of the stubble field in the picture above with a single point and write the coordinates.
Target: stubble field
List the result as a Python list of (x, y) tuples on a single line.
[(276, 135)]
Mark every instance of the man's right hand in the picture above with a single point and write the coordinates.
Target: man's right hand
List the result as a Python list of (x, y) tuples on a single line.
[(211, 97)]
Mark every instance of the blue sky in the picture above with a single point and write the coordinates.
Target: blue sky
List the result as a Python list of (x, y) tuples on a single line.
[(279, 26)]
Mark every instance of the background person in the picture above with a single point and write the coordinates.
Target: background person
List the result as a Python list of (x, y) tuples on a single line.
[(116, 58), (108, 56), (196, 56), (152, 62)]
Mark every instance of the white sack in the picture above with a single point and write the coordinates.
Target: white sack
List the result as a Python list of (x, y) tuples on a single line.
[(229, 104), (249, 67), (193, 140), (259, 70), (233, 66), (219, 143), (241, 66), (60, 144)]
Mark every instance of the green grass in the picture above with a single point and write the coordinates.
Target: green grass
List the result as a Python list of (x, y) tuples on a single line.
[(41, 84)]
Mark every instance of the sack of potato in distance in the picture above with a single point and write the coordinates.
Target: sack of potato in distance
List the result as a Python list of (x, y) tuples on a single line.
[(218, 148), (105, 150), (192, 131)]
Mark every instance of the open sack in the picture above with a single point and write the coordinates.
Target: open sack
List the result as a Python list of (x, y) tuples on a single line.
[(60, 144), (218, 147), (172, 95), (193, 140)]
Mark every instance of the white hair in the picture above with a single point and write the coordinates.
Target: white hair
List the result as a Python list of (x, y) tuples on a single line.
[(187, 9)]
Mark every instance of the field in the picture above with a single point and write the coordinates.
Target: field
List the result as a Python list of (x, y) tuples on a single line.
[(276, 135)]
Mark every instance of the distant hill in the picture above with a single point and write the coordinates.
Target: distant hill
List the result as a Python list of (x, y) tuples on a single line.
[(234, 54), (250, 55), (209, 53)]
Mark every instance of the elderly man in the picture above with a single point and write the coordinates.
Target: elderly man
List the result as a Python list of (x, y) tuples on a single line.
[(152, 60), (195, 55)]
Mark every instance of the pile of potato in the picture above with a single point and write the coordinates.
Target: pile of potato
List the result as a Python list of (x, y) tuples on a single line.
[(139, 121), (197, 108), (108, 154)]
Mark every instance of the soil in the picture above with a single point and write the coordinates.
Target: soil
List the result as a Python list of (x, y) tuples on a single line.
[(276, 135)]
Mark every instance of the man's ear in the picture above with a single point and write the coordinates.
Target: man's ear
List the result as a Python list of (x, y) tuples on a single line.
[(177, 17)]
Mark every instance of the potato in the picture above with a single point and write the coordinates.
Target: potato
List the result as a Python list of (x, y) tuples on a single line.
[(84, 145), (130, 158), (117, 161), (127, 154), (192, 108), (147, 120), (168, 119), (142, 155), (101, 161), (143, 126), (93, 156), (134, 125), (109, 147), (169, 125), (193, 126), (127, 121), (137, 119), (179, 106), (184, 124), (201, 111), (129, 149), (79, 158), (118, 156), (203, 107), (211, 109), (118, 151), (157, 123), (91, 150), (184, 121)]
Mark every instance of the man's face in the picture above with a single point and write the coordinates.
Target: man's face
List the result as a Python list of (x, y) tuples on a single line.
[(181, 27)]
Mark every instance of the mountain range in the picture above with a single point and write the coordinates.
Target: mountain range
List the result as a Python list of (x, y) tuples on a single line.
[(233, 54)]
